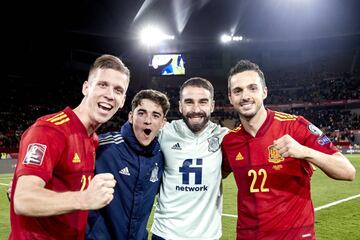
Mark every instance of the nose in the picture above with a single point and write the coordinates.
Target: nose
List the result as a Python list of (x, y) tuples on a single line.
[(196, 107), (109, 93), (245, 95), (147, 120)]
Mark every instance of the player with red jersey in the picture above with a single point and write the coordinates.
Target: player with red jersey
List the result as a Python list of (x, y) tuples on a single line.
[(53, 184), (271, 155)]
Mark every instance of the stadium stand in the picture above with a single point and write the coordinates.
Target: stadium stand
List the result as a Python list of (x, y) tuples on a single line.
[(319, 82)]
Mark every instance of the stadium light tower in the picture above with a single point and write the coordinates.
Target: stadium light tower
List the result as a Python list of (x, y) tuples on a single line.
[(152, 36)]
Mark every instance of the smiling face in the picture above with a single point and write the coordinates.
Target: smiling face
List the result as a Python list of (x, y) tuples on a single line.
[(104, 94), (196, 106), (147, 119), (247, 94)]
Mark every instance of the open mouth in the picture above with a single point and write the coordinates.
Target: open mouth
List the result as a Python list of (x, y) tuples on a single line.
[(147, 131), (245, 103), (196, 115), (105, 106)]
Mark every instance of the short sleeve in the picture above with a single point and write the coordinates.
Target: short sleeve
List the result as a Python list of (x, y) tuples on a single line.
[(311, 136), (41, 148)]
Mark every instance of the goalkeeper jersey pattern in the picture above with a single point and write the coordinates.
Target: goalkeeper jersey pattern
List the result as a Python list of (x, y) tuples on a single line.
[(190, 200)]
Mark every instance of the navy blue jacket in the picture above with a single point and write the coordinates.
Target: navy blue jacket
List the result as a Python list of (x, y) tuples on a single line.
[(138, 171)]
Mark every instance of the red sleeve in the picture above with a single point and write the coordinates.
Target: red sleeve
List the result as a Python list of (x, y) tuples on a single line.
[(313, 137), (225, 167), (41, 148)]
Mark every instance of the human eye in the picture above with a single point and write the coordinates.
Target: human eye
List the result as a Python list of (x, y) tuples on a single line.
[(236, 91), (204, 101), (253, 87), (119, 91), (188, 101), (102, 84)]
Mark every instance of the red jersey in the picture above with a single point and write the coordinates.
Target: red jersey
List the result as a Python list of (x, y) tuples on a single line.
[(274, 199), (57, 149)]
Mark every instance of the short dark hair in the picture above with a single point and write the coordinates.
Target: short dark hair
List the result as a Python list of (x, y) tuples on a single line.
[(153, 95), (246, 65), (108, 61), (198, 82)]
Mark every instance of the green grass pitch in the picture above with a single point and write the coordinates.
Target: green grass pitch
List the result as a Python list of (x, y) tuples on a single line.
[(341, 221)]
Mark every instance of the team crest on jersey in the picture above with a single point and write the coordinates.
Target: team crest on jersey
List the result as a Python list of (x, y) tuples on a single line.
[(213, 144), (154, 174), (274, 155), (35, 154), (315, 130)]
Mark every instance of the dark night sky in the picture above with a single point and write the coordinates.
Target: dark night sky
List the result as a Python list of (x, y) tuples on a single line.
[(45, 38)]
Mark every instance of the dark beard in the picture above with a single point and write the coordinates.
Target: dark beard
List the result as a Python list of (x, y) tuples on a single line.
[(247, 117), (195, 128)]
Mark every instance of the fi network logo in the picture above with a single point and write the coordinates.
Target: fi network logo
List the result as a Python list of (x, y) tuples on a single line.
[(191, 167), (187, 169)]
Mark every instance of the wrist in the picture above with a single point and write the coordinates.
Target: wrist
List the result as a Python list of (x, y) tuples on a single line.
[(81, 201)]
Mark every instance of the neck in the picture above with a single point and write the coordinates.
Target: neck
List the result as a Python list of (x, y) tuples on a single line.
[(252, 125), (85, 120)]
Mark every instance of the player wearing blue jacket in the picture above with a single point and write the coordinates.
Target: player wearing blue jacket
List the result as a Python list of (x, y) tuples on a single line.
[(133, 156)]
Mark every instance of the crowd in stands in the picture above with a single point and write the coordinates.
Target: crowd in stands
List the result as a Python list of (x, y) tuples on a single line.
[(341, 86), (338, 122)]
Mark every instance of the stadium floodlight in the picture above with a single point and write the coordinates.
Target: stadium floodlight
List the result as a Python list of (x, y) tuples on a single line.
[(152, 36), (237, 38), (225, 38)]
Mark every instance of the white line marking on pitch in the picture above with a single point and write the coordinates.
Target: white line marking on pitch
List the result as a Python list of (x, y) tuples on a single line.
[(4, 184), (317, 208), (229, 215), (337, 202)]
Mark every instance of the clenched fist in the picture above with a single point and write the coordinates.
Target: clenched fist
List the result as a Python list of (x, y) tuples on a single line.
[(100, 191), (289, 147)]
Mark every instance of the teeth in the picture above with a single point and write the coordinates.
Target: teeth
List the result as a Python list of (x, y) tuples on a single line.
[(105, 106), (245, 104)]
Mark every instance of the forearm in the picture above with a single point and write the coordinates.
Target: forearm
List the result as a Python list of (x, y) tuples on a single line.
[(31, 198), (335, 166), (38, 201)]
